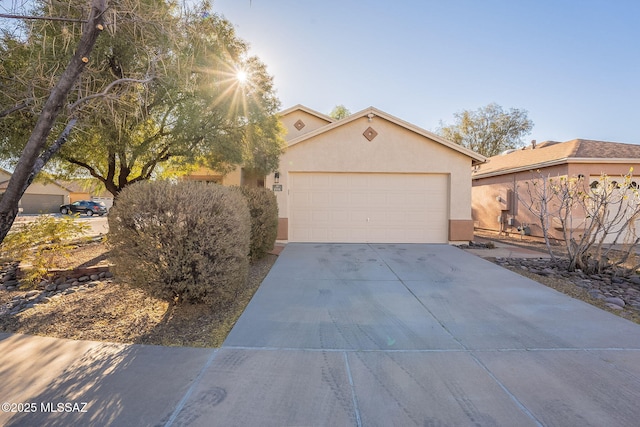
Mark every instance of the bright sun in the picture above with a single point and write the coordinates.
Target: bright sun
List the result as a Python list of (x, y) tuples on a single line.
[(241, 76)]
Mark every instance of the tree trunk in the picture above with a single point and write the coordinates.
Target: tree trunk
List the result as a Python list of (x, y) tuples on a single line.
[(26, 169)]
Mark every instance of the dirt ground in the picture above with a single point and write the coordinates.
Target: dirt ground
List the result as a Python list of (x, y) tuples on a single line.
[(116, 312), (560, 284)]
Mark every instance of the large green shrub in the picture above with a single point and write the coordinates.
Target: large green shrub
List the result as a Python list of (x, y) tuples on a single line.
[(184, 242), (263, 208)]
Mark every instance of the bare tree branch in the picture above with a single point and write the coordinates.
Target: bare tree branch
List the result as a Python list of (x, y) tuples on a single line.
[(107, 89), (16, 108), (42, 18)]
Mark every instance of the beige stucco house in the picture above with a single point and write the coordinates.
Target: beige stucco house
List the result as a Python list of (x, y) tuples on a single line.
[(371, 177), (40, 197), (499, 185)]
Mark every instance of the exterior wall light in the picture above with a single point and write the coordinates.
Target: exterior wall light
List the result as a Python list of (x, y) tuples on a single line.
[(276, 177)]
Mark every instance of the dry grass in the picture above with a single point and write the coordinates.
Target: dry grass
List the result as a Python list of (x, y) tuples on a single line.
[(116, 312)]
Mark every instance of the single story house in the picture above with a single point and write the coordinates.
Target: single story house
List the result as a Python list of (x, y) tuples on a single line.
[(87, 189), (371, 177), (239, 176), (40, 197), (499, 187)]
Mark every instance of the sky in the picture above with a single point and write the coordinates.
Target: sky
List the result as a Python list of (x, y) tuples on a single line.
[(573, 65)]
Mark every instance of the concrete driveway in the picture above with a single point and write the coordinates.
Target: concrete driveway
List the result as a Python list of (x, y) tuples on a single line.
[(374, 335)]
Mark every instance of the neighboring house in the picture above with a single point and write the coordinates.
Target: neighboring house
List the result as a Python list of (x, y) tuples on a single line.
[(499, 185), (87, 189), (40, 197), (371, 177), (239, 176)]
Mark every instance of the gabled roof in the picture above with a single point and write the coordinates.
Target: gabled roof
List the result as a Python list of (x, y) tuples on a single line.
[(552, 153), (46, 181), (307, 110), (476, 158)]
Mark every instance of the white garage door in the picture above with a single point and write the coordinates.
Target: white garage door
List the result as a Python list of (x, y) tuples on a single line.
[(368, 207)]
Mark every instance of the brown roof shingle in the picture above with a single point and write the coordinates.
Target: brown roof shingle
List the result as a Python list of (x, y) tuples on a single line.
[(557, 153)]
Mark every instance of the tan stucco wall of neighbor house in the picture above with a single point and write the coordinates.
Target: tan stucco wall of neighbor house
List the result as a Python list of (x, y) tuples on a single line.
[(494, 197), (395, 149), (207, 175), (498, 203), (613, 170), (39, 188), (77, 195), (38, 196)]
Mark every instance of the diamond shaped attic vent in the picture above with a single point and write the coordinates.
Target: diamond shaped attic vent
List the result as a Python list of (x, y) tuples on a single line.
[(299, 125), (370, 133)]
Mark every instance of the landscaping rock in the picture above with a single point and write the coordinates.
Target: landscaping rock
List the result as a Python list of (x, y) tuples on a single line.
[(619, 291), (617, 301), (64, 286)]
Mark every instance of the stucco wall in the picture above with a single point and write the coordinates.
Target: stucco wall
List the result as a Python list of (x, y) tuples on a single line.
[(77, 195), (311, 123), (39, 188), (205, 174), (485, 191), (394, 150), (506, 196)]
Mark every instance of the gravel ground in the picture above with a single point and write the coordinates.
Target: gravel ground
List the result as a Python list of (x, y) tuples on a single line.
[(618, 295), (113, 311)]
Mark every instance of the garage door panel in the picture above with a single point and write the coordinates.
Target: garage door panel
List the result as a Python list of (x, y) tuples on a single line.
[(41, 203), (367, 207)]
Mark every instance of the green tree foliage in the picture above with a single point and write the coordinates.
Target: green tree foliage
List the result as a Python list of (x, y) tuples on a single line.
[(488, 130), (35, 153), (40, 244), (339, 112), (159, 92), (181, 242)]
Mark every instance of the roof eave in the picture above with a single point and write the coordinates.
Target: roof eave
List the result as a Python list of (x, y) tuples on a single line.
[(556, 162), (300, 107), (475, 157)]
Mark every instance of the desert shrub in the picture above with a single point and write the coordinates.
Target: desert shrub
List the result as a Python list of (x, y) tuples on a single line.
[(41, 244), (183, 242), (263, 208)]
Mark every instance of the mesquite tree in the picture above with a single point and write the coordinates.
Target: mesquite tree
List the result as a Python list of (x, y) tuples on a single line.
[(160, 92), (37, 151)]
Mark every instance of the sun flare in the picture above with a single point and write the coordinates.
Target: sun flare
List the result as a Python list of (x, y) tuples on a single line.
[(241, 76)]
